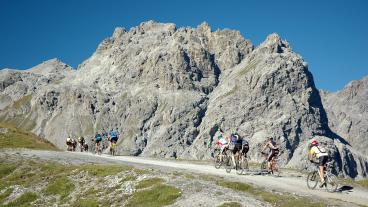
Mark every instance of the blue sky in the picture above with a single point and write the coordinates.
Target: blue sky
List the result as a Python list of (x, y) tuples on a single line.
[(332, 36)]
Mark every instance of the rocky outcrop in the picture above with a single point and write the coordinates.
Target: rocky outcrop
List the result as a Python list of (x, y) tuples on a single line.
[(169, 90)]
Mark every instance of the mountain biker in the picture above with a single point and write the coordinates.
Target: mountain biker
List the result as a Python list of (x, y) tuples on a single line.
[(68, 143), (320, 153), (273, 151), (81, 142), (223, 143), (238, 146), (113, 137), (74, 144), (98, 139)]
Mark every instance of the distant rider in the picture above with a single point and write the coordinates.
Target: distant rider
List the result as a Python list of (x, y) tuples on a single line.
[(321, 154), (98, 139), (273, 151), (81, 142), (113, 137), (68, 144)]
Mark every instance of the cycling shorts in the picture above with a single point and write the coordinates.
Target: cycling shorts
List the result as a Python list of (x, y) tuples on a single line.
[(115, 139), (245, 149), (272, 154), (323, 160), (237, 148)]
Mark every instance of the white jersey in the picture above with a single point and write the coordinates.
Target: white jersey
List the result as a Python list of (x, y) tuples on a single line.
[(223, 141), (319, 151)]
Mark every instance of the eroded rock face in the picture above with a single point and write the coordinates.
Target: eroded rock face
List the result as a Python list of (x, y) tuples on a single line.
[(169, 90)]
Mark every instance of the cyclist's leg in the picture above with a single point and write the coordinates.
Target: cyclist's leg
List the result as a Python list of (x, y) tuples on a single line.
[(269, 158), (322, 163)]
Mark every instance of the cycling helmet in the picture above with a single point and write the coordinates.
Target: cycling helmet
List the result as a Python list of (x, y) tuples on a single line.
[(314, 143), (68, 139)]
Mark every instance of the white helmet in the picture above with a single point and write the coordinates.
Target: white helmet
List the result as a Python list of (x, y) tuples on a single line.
[(68, 139)]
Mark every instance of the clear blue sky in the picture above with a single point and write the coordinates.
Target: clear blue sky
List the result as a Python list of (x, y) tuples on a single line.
[(332, 36)]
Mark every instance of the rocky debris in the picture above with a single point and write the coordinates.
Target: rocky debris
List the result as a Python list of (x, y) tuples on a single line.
[(168, 90)]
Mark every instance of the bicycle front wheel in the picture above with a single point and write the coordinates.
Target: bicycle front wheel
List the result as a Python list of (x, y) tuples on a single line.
[(331, 184), (218, 162), (312, 179), (243, 167), (229, 165)]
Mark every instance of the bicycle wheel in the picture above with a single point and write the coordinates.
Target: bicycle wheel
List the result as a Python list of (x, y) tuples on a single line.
[(218, 162), (243, 166), (263, 166), (312, 179), (229, 165), (331, 184), (275, 169)]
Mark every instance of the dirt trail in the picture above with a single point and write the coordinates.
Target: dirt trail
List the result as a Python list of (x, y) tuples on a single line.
[(287, 184)]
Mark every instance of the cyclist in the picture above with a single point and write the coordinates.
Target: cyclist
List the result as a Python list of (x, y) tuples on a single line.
[(98, 139), (68, 143), (320, 153), (238, 146), (223, 143), (113, 137), (81, 142), (273, 151)]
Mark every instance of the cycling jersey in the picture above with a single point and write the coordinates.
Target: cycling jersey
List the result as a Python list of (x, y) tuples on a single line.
[(318, 151)]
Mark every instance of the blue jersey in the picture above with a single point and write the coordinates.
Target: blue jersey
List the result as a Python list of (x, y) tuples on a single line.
[(98, 137)]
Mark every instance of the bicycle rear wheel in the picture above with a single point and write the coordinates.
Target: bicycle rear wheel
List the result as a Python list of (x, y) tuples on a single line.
[(312, 179), (331, 184)]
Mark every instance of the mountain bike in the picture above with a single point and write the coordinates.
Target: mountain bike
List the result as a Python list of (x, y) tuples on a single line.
[(274, 166), (330, 179), (241, 163)]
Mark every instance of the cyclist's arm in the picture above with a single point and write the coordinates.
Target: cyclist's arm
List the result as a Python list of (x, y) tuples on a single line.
[(265, 147)]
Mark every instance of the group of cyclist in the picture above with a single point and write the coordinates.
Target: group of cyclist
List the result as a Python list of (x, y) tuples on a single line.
[(71, 144), (238, 145), (112, 136)]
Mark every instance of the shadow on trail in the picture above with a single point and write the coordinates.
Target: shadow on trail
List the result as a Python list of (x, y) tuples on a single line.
[(345, 188)]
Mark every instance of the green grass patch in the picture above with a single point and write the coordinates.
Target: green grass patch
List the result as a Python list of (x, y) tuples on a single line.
[(60, 186), (275, 199), (104, 170), (4, 195), (159, 195), (86, 203), (149, 182), (17, 138), (361, 183), (23, 201), (6, 169), (230, 204)]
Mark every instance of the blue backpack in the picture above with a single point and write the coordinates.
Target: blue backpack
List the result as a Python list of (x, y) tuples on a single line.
[(98, 137), (113, 134)]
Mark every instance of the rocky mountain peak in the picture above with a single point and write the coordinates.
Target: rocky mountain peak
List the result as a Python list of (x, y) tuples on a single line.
[(274, 44)]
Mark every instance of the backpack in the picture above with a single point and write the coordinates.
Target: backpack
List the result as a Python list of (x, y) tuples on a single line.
[(98, 137), (245, 142), (113, 134)]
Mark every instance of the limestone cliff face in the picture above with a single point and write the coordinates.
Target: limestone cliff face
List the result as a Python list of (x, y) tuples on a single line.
[(169, 90)]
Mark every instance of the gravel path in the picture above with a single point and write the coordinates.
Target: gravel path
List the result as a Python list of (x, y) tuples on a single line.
[(289, 184)]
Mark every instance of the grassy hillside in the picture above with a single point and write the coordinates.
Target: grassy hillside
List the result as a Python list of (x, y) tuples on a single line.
[(12, 137)]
